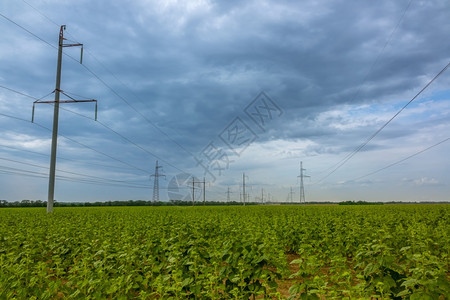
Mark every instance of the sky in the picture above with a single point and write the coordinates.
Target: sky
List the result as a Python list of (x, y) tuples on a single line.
[(213, 90)]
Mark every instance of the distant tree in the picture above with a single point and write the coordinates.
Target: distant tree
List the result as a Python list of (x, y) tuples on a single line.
[(360, 203)]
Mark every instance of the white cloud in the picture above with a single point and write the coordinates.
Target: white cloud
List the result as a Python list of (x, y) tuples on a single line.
[(195, 65), (24, 141), (424, 181)]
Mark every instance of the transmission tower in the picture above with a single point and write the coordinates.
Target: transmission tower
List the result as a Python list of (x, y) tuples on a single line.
[(56, 102), (228, 194), (156, 182), (244, 195), (290, 196), (243, 186), (204, 191), (193, 190), (302, 188)]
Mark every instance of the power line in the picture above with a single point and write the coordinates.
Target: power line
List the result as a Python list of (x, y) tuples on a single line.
[(116, 93), (23, 28), (28, 173), (349, 156), (36, 36), (101, 123), (68, 172), (39, 12), (345, 159), (15, 171), (110, 88), (20, 93), (381, 52), (126, 139), (17, 118), (65, 158), (137, 111), (402, 160), (79, 143), (44, 175), (140, 147), (355, 95), (93, 179), (164, 133)]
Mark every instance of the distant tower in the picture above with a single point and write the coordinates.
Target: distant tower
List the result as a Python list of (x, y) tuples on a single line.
[(290, 196), (302, 188), (243, 186), (156, 182), (228, 194)]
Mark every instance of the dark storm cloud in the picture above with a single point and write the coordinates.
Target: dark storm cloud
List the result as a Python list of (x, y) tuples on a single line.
[(192, 67)]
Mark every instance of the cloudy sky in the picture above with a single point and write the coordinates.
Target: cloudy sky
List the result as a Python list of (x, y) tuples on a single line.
[(219, 88)]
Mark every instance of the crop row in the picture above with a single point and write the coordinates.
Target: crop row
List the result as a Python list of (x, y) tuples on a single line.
[(390, 251)]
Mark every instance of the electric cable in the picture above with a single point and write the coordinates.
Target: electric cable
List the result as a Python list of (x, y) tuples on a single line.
[(36, 36), (366, 76), (65, 158), (110, 88), (79, 143), (123, 137), (28, 173), (99, 122), (121, 82), (41, 13), (68, 172), (402, 160), (349, 156)]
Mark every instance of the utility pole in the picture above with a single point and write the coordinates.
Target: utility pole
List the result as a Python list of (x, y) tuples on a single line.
[(302, 188), (246, 197), (290, 197), (262, 195), (193, 189), (156, 182), (56, 102), (51, 182), (204, 191), (243, 186), (228, 194)]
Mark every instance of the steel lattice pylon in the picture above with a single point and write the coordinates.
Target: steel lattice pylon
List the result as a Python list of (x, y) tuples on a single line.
[(156, 183)]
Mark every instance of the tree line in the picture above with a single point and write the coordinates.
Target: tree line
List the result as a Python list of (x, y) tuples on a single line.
[(40, 203)]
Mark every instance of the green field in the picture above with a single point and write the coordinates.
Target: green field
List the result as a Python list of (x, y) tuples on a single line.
[(302, 252)]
